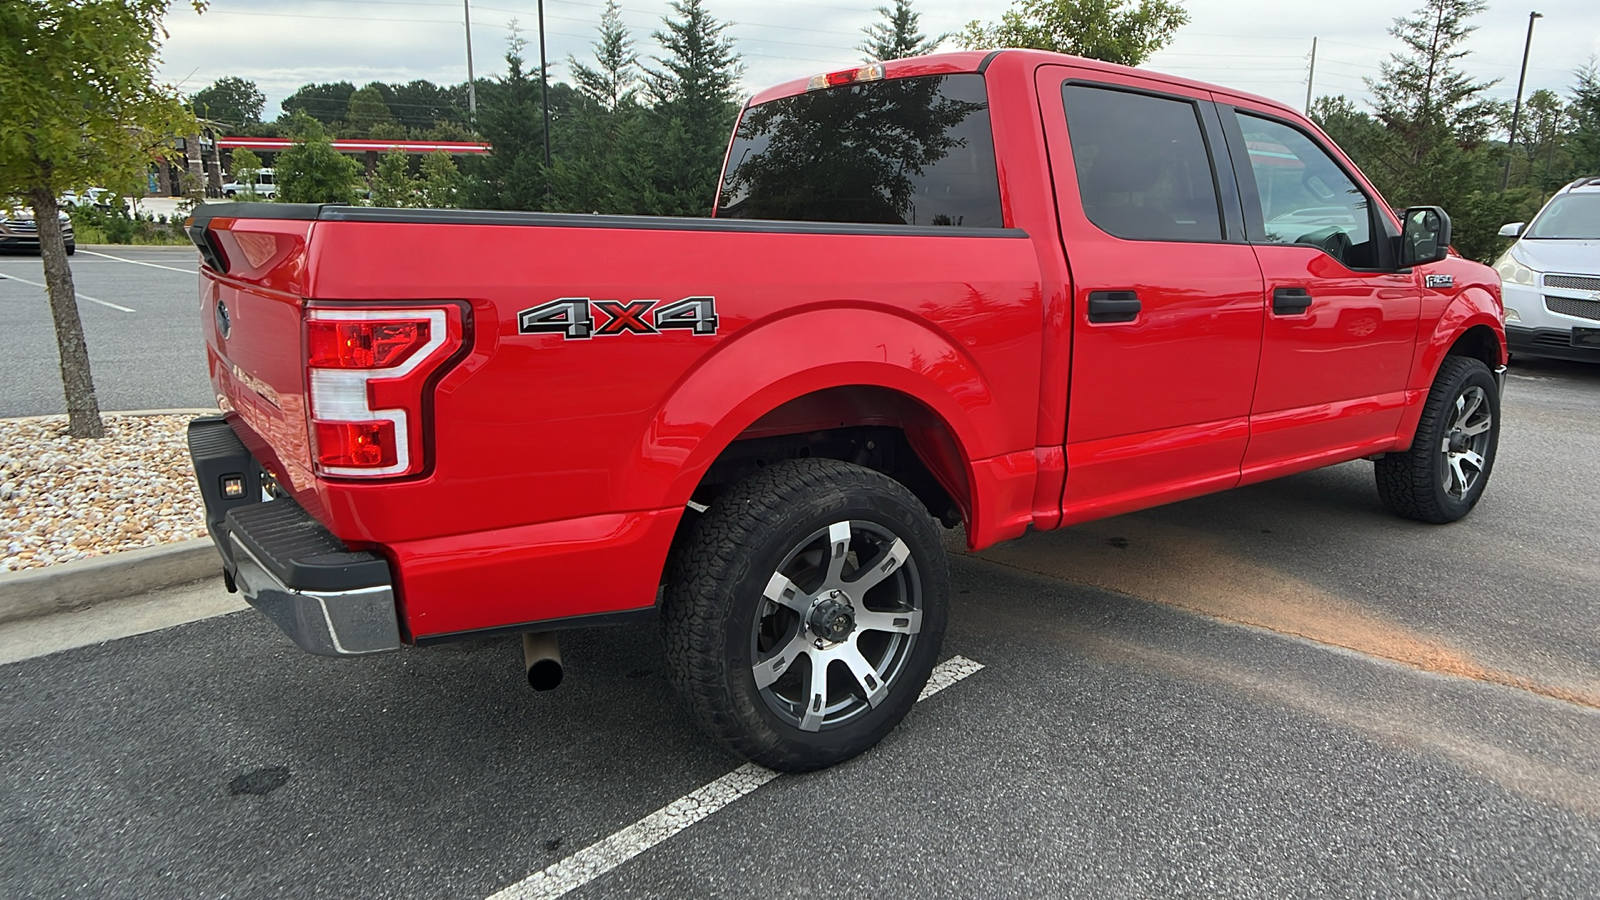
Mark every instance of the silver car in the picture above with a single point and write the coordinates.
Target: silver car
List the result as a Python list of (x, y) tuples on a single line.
[(18, 229), (1551, 277)]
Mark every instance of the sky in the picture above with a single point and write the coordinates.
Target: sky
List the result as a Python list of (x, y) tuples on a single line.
[(1261, 46)]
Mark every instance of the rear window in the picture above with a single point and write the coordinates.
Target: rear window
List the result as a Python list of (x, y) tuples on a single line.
[(908, 151)]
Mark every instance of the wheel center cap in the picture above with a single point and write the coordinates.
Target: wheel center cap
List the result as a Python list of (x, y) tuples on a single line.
[(832, 617)]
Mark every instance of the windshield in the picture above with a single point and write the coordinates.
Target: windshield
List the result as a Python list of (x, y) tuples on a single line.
[(1571, 217), (908, 151)]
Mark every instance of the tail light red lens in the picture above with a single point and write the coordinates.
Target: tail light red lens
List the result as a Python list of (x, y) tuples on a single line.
[(368, 371), (363, 345), (356, 445)]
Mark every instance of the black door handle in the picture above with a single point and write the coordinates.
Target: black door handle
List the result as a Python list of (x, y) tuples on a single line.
[(1290, 301), (1113, 306)]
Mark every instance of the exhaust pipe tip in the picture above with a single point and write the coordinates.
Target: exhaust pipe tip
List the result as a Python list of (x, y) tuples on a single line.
[(545, 675), (541, 654)]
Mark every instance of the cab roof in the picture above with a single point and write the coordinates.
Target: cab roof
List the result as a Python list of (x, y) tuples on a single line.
[(965, 61)]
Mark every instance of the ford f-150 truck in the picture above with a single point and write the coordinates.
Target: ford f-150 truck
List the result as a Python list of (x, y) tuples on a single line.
[(1004, 291)]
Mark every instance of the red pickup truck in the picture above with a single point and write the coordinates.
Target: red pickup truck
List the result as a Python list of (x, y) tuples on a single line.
[(1006, 291)]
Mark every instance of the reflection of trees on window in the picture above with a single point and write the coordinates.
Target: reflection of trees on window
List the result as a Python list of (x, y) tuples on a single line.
[(890, 152)]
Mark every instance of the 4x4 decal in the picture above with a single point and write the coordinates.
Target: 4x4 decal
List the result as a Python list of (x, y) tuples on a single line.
[(573, 317)]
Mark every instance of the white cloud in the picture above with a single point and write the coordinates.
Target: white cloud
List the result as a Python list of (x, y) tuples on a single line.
[(1255, 45)]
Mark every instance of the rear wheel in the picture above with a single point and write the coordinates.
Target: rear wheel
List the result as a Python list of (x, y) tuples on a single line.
[(72, 248), (1444, 473), (806, 611)]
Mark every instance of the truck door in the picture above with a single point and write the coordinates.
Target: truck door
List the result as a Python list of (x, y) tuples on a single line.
[(1167, 295), (1341, 321)]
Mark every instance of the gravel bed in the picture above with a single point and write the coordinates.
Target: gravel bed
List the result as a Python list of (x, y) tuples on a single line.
[(63, 499)]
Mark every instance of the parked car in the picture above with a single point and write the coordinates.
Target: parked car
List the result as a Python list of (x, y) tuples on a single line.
[(1551, 277), (264, 185), (98, 197), (19, 229), (747, 428)]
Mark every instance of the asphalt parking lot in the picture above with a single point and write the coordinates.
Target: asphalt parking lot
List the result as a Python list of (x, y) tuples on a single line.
[(141, 320), (1278, 691)]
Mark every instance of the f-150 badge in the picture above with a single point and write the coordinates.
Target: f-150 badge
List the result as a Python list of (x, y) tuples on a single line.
[(573, 317), (1439, 281)]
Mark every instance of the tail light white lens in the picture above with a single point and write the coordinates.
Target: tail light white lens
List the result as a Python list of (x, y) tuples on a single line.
[(368, 369)]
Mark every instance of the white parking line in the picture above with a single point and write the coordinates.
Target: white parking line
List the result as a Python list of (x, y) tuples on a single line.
[(84, 296), (606, 854), (140, 263)]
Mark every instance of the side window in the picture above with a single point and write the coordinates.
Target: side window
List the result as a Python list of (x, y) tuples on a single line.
[(1305, 197), (1143, 168)]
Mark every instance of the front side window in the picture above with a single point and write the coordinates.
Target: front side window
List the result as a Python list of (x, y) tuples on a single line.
[(1143, 169), (907, 151), (1305, 197), (1569, 217)]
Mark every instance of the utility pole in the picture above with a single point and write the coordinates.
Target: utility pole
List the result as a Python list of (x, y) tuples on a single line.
[(1312, 76), (544, 94), (1516, 107), (472, 85)]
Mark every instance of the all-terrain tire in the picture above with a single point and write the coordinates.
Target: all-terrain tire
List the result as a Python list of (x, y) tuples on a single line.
[(1436, 480), (837, 545)]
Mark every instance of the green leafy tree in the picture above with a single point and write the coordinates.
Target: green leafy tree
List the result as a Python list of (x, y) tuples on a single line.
[(1584, 113), (898, 36), (422, 105), (327, 103), (695, 107), (311, 171), (440, 186), (1109, 30), (245, 166), (367, 110), (80, 106), (392, 184), (615, 77), (231, 100)]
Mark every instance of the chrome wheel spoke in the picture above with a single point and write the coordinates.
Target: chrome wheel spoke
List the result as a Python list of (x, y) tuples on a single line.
[(909, 622), (782, 591), (892, 559), (816, 693), (838, 550), (865, 674), (772, 668)]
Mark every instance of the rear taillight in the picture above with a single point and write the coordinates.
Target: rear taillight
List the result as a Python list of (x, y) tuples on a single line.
[(368, 371)]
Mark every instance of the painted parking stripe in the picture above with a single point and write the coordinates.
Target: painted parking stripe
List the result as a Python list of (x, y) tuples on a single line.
[(136, 262), (81, 296), (601, 857)]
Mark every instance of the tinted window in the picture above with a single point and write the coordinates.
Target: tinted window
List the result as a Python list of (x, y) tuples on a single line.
[(1143, 169), (909, 151), (1305, 197)]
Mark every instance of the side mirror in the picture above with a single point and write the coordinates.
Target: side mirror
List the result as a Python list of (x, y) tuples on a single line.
[(1425, 236), (1513, 229)]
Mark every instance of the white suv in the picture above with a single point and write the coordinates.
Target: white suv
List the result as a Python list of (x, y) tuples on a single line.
[(265, 186), (1551, 277)]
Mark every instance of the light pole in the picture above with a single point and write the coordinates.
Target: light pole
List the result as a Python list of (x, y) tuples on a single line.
[(472, 85), (544, 93), (1516, 106)]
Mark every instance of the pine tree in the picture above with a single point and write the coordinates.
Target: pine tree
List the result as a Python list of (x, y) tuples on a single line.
[(898, 35), (511, 120), (1099, 29), (1584, 113), (695, 107), (615, 77)]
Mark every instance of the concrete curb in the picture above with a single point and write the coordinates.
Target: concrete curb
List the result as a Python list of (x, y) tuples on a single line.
[(28, 593)]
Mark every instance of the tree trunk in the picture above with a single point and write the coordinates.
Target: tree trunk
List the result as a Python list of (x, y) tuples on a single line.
[(83, 410)]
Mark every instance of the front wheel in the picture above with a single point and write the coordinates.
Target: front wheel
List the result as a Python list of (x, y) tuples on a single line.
[(1444, 473), (805, 613)]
